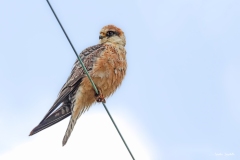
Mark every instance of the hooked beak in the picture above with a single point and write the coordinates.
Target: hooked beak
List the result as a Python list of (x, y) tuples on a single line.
[(101, 37)]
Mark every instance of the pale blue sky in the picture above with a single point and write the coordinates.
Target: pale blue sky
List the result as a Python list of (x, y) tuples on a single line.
[(182, 89)]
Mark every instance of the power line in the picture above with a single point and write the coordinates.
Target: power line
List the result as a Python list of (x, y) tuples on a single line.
[(94, 86)]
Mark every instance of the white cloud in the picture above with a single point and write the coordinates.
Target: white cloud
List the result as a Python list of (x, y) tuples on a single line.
[(94, 137)]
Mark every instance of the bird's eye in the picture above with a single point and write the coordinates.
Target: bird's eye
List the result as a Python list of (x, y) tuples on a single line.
[(110, 33)]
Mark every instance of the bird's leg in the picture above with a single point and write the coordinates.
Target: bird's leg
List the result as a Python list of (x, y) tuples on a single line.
[(99, 97)]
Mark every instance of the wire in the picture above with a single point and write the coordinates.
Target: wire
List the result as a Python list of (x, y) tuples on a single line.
[(94, 86)]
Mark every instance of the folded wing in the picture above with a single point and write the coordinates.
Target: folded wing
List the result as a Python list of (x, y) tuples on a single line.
[(66, 95)]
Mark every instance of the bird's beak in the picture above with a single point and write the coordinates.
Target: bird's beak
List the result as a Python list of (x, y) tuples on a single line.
[(101, 37)]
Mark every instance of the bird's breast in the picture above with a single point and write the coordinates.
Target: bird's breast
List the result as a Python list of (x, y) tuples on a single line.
[(110, 69)]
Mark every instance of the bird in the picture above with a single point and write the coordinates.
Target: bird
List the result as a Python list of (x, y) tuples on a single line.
[(106, 63)]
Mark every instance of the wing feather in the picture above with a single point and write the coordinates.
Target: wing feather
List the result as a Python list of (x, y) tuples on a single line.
[(88, 56)]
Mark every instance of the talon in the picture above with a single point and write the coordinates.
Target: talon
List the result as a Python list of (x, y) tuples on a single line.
[(99, 97)]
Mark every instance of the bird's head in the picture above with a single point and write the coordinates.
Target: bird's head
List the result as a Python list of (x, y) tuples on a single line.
[(112, 34)]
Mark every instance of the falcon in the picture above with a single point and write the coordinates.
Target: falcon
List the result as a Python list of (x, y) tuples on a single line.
[(106, 64)]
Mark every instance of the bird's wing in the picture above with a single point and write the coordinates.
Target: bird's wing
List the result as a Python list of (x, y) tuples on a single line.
[(61, 113), (88, 56)]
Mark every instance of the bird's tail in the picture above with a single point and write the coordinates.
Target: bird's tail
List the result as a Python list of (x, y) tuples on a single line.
[(75, 115), (69, 130)]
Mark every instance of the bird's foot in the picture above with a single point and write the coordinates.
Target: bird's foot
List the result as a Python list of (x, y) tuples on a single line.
[(99, 97)]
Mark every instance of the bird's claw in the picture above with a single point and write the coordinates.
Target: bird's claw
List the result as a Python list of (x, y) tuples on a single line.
[(99, 97)]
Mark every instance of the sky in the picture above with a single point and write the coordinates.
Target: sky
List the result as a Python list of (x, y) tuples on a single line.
[(179, 99)]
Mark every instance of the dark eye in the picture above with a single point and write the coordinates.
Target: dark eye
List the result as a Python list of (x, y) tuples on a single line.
[(110, 33)]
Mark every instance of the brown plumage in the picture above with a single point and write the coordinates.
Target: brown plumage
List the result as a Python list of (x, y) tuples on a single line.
[(106, 63)]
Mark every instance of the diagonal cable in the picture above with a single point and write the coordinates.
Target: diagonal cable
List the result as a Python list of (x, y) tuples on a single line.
[(94, 86)]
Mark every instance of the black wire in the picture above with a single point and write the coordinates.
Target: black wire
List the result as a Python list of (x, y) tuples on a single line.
[(91, 81), (84, 68)]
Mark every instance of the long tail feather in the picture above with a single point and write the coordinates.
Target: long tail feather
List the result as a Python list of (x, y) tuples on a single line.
[(69, 130)]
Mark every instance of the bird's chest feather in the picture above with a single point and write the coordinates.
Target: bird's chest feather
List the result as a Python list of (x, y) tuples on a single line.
[(110, 69)]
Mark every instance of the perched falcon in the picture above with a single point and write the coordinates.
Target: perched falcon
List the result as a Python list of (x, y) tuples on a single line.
[(106, 64)]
